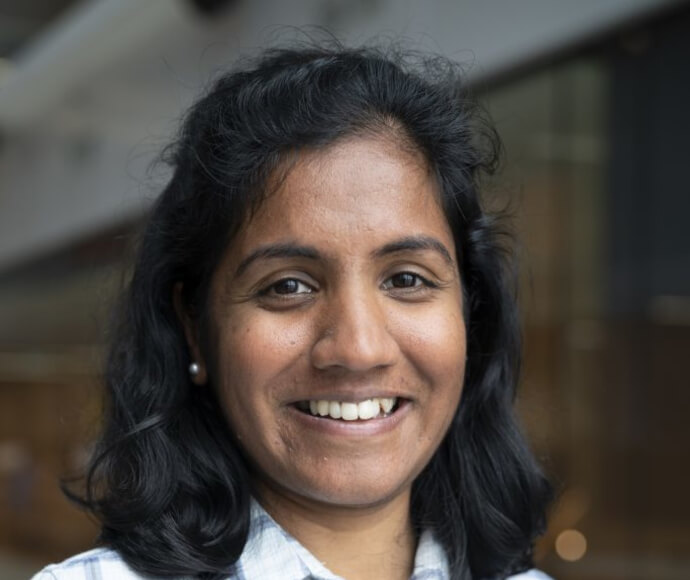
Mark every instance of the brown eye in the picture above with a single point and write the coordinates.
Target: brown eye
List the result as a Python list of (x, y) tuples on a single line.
[(288, 286), (405, 280)]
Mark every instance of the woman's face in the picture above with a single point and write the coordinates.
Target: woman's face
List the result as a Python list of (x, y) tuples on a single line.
[(340, 299)]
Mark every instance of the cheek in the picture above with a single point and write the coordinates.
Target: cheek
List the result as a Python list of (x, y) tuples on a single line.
[(254, 356), (435, 346), (435, 341), (447, 377)]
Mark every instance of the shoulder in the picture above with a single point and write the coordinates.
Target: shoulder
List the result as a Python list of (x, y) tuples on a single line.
[(531, 575), (97, 563)]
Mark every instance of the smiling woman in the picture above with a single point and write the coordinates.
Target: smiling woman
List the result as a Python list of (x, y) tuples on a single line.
[(317, 356), (348, 302)]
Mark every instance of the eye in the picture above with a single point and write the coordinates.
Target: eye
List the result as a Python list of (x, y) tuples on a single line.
[(407, 280), (287, 287)]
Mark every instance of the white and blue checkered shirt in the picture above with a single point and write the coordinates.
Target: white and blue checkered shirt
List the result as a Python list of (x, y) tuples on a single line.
[(270, 553)]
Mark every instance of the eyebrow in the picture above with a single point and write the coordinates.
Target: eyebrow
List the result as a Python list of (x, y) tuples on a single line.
[(290, 250), (286, 250), (414, 243)]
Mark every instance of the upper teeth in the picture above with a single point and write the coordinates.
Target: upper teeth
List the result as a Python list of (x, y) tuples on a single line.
[(367, 409)]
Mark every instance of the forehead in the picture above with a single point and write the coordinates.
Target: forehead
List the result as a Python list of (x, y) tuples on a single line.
[(359, 191)]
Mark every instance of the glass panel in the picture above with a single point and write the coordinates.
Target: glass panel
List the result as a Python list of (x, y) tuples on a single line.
[(596, 171), (554, 128)]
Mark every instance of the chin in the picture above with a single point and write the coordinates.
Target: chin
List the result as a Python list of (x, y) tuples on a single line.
[(346, 491)]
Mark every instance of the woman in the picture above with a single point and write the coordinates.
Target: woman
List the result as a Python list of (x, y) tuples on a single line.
[(317, 355)]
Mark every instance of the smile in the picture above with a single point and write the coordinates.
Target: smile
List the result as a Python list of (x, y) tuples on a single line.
[(375, 408)]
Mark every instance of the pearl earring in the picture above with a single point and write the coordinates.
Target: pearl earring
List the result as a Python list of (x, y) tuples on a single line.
[(194, 369)]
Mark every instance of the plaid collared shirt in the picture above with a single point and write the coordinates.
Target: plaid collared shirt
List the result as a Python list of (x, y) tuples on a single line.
[(270, 553)]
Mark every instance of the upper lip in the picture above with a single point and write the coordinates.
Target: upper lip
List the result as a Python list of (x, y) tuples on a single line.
[(349, 396)]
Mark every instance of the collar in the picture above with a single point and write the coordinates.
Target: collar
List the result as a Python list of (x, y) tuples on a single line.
[(270, 552)]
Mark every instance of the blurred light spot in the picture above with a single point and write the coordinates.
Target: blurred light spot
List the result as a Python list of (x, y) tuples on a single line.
[(571, 545)]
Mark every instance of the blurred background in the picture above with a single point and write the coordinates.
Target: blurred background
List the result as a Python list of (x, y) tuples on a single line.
[(592, 99)]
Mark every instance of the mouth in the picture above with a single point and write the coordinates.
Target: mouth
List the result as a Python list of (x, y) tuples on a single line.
[(366, 410)]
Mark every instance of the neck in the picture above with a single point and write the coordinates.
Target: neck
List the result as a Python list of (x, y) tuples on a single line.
[(354, 543)]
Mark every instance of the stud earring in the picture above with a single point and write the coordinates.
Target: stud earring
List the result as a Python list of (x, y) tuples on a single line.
[(194, 369)]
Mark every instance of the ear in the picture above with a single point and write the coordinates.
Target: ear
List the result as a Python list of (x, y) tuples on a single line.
[(191, 332)]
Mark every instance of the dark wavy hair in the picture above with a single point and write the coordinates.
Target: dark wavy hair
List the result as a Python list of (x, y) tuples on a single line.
[(167, 481)]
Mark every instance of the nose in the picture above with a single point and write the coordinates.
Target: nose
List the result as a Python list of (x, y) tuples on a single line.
[(354, 334)]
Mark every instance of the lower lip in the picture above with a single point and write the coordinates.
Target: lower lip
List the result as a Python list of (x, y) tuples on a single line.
[(358, 428)]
